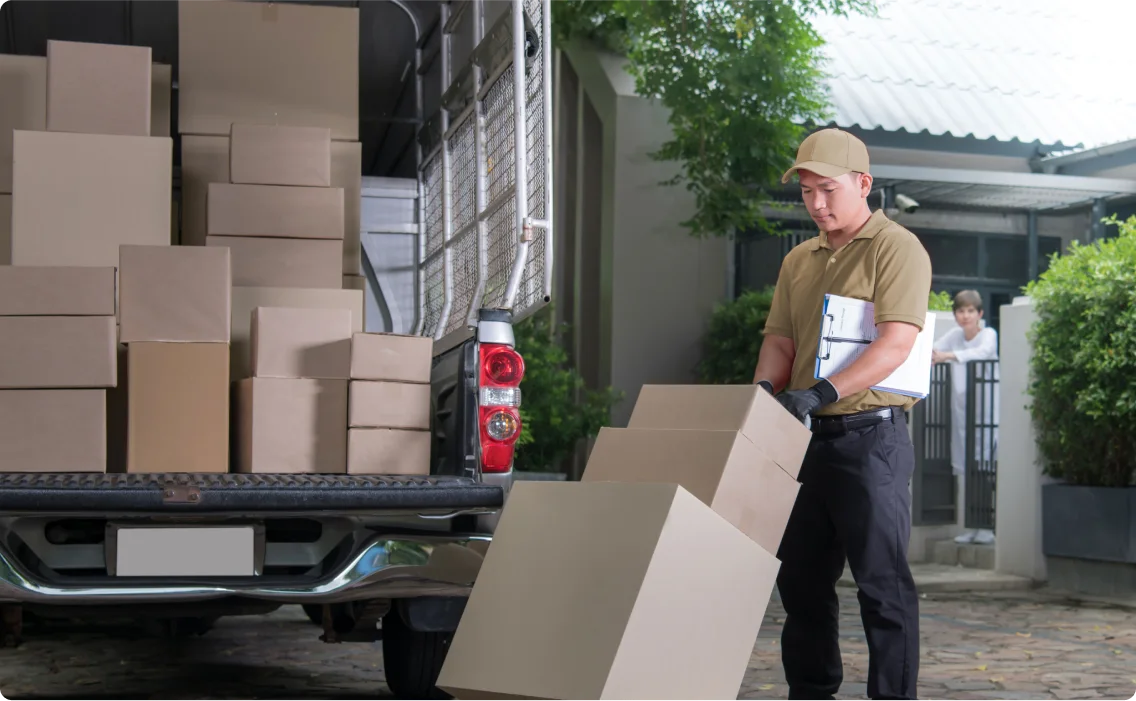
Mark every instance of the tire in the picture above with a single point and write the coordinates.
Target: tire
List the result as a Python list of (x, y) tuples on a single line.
[(412, 659), (314, 613)]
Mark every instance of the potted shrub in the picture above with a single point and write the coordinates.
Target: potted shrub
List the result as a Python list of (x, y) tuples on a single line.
[(558, 410), (1083, 387)]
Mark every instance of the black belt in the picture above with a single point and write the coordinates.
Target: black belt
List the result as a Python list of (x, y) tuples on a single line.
[(843, 423)]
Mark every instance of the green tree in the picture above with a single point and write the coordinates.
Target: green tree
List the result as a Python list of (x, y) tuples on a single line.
[(558, 410), (1083, 371), (740, 78), (733, 339)]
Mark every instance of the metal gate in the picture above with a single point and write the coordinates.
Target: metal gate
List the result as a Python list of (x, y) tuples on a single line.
[(934, 493), (981, 442)]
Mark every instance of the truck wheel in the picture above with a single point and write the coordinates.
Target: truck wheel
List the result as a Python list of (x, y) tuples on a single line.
[(412, 659), (314, 613)]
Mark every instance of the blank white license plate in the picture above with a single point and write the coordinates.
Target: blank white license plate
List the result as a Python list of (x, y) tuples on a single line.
[(186, 552)]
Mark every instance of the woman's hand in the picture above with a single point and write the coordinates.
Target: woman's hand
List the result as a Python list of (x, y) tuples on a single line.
[(941, 356)]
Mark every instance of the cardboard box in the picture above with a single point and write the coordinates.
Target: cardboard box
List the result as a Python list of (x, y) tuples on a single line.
[(291, 426), (594, 607), (296, 343), (388, 405), (23, 83), (391, 357), (205, 159), (78, 197), (347, 173), (5, 229), (23, 87), (98, 88), (263, 262), (388, 451), (245, 299), (293, 65), (53, 430), (267, 154), (275, 210), (178, 407), (57, 352), (746, 408), (55, 291), (161, 93), (722, 468), (179, 294)]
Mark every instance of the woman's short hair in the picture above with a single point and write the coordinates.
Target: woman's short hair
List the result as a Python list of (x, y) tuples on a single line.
[(968, 298)]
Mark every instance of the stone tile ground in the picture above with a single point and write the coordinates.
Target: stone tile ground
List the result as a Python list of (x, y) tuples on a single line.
[(998, 645)]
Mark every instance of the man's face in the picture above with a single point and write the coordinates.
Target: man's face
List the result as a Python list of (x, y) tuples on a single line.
[(833, 203)]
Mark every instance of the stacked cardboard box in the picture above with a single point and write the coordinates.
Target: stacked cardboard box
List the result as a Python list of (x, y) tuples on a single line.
[(175, 306), (286, 229), (57, 359), (23, 105), (389, 414), (292, 412), (284, 65), (683, 511), (96, 178)]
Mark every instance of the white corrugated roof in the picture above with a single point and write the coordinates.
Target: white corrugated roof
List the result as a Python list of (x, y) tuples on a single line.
[(1051, 71)]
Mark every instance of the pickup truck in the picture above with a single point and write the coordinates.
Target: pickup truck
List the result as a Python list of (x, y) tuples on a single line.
[(369, 557)]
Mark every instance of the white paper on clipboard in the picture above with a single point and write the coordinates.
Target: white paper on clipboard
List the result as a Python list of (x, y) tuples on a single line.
[(847, 328)]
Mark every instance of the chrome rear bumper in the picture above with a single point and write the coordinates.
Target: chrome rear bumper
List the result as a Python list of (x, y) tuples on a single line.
[(391, 567)]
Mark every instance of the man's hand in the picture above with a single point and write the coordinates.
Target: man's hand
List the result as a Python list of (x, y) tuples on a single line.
[(801, 403)]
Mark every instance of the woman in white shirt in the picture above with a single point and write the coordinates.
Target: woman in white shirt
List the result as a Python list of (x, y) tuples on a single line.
[(971, 340)]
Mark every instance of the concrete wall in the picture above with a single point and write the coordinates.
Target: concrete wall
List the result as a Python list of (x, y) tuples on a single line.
[(1018, 498), (658, 284)]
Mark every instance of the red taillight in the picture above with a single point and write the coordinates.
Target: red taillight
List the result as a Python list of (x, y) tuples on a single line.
[(502, 370), (501, 366)]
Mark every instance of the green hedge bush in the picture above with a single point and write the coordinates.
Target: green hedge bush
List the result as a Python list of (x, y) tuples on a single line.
[(1083, 372), (558, 410)]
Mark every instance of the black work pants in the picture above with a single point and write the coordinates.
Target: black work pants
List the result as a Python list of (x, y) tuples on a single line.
[(854, 501)]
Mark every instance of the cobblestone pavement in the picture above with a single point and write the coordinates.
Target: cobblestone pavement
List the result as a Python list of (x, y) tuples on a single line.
[(1016, 645)]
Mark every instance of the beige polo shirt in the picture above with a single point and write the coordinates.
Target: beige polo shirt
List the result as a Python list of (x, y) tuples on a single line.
[(884, 264)]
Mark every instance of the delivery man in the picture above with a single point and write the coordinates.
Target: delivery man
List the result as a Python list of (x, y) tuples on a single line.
[(854, 501)]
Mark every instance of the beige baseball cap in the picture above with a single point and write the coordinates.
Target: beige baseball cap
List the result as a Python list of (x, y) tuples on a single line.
[(831, 153)]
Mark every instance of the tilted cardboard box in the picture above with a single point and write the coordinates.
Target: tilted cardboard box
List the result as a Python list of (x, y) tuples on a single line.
[(591, 589)]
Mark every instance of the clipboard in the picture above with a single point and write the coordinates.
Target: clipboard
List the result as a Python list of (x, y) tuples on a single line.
[(848, 327)]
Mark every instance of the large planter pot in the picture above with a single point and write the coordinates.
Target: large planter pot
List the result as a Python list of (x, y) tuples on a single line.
[(1092, 523), (1089, 539)]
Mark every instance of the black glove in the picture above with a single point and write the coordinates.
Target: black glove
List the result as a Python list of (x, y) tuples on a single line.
[(766, 385), (801, 403)]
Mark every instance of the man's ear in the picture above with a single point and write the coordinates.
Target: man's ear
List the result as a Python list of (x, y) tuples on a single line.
[(865, 184)]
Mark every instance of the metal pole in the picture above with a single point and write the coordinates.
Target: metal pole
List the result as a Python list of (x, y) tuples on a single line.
[(1097, 230), (447, 189), (1031, 230), (546, 51), (479, 145), (520, 156)]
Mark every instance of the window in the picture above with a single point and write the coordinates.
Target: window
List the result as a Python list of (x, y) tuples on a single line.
[(1007, 258), (952, 255)]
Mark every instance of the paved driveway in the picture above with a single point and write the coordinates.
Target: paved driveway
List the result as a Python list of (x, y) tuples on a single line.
[(1007, 645)]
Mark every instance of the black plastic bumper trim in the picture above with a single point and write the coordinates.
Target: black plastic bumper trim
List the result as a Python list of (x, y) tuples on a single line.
[(204, 493)]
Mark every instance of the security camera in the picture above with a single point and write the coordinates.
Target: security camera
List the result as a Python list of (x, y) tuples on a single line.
[(905, 204)]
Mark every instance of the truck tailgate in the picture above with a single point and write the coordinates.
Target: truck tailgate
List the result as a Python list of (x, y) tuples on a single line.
[(203, 493)]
